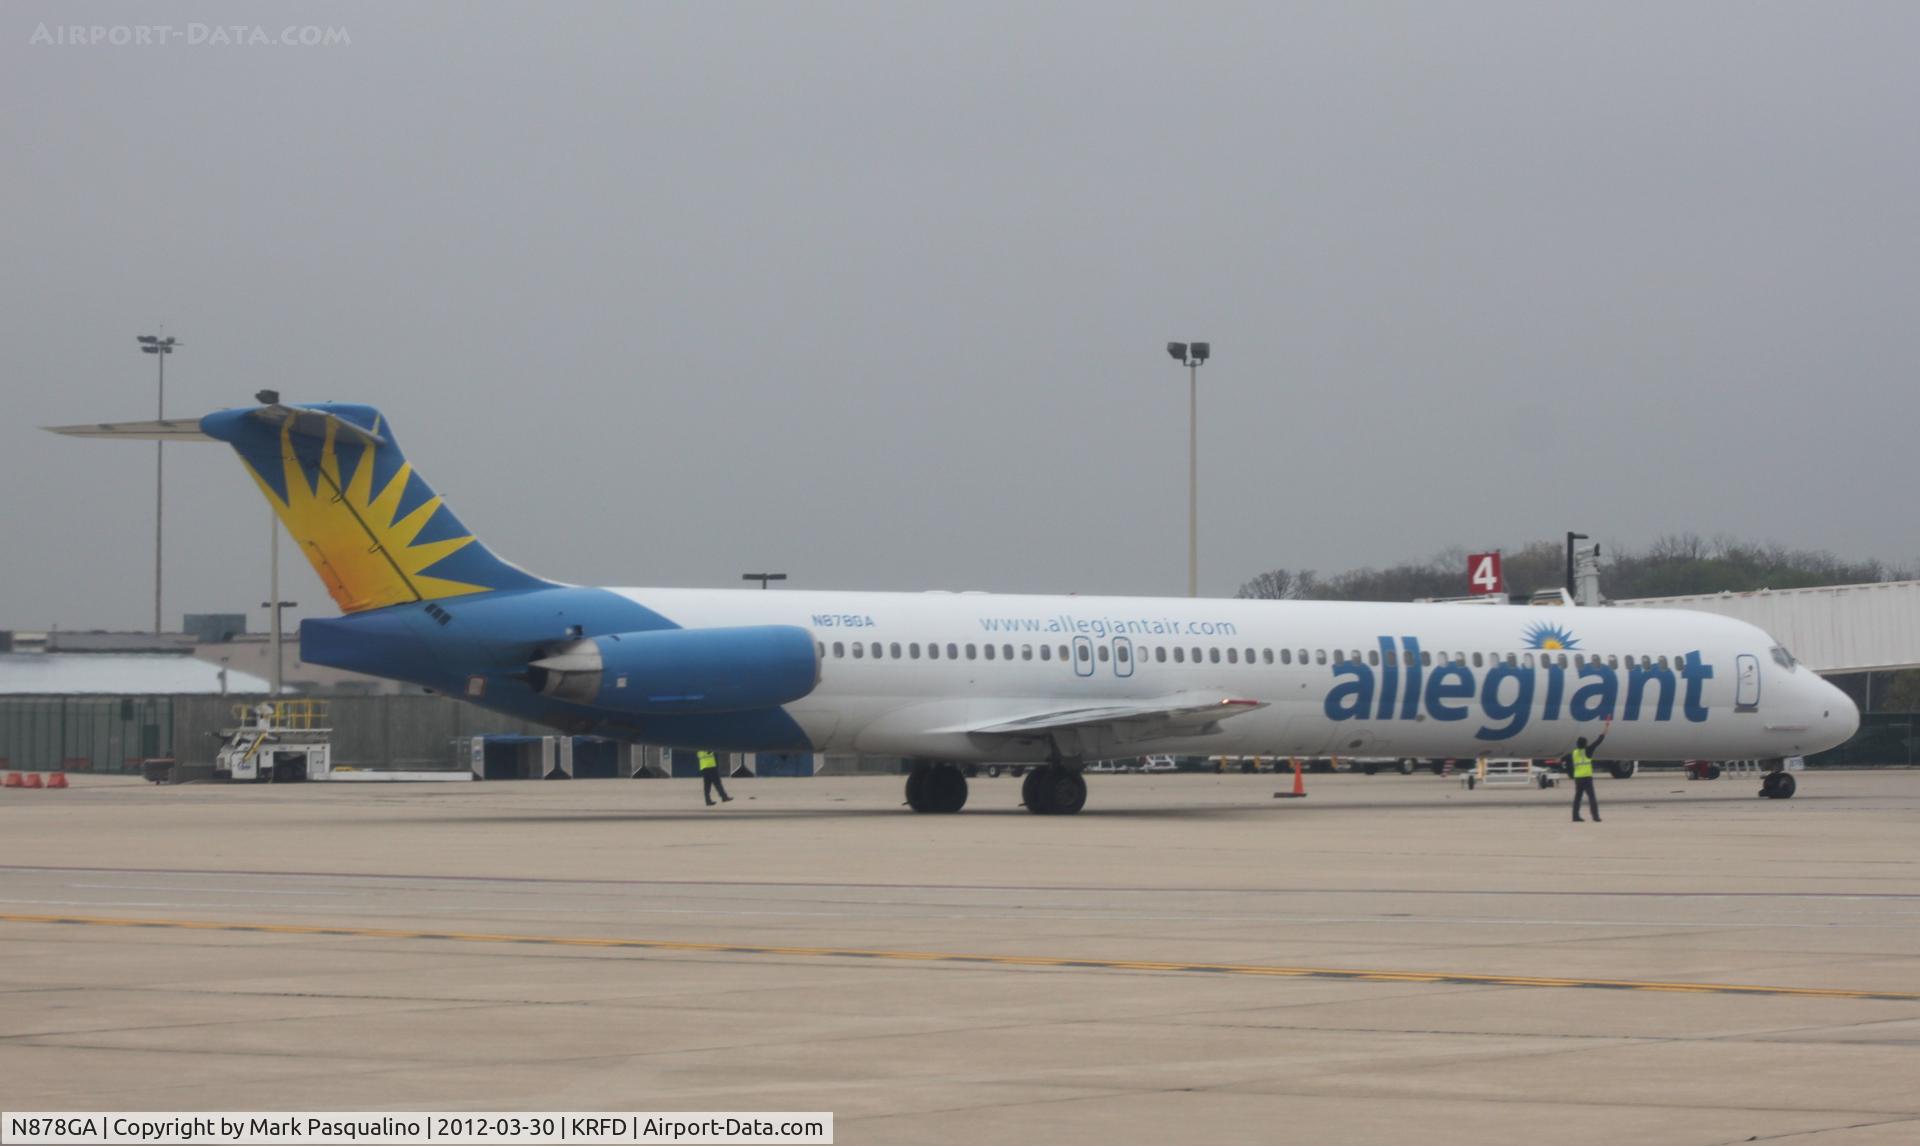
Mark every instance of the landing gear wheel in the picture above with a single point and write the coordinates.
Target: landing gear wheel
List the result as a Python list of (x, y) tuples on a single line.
[(1406, 767), (1778, 786), (1055, 791), (1623, 769), (993, 770), (940, 788)]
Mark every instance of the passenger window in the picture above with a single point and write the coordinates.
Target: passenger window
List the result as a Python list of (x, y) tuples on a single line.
[(1476, 660), (933, 651), (1320, 656), (913, 651), (1179, 655), (839, 649), (859, 650), (822, 647), (1233, 656), (1006, 652), (1373, 656), (1266, 656), (1063, 652), (1527, 660), (1026, 652), (1213, 655), (1046, 652), (1160, 654), (1120, 654), (1426, 658), (893, 650), (1085, 654), (973, 653), (1286, 656), (876, 650), (989, 651), (1103, 654), (1663, 660)]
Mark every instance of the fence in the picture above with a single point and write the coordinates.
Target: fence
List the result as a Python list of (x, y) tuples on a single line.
[(84, 733), (114, 733), (1885, 738)]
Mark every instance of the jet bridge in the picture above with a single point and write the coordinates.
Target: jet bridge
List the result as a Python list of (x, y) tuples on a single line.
[(1831, 628)]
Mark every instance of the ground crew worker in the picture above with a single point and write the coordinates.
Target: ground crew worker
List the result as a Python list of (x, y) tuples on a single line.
[(710, 778), (1581, 760)]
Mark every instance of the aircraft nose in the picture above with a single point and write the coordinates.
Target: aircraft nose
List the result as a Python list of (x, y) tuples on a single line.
[(1839, 714)]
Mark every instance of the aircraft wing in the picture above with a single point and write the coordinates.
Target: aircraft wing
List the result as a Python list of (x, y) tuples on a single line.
[(1187, 714)]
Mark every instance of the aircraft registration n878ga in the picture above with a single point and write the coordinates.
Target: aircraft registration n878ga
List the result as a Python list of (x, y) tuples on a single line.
[(948, 679)]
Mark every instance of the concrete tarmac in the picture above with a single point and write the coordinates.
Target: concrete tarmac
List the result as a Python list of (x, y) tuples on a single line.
[(1393, 959)]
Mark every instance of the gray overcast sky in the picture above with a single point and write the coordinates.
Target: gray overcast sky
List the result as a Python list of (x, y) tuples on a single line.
[(876, 293)]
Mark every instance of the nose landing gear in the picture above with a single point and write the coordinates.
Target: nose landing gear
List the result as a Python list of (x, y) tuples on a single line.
[(1778, 786)]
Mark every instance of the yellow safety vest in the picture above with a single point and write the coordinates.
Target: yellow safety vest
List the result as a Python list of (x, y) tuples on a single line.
[(708, 763), (1582, 764)]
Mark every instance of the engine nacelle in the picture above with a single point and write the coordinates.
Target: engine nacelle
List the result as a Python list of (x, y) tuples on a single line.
[(683, 670)]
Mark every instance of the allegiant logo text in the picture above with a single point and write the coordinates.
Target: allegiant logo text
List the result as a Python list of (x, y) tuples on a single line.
[(1401, 688)]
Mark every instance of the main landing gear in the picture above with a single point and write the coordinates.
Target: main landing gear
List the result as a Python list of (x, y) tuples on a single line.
[(936, 788), (1049, 790), (1778, 786), (1054, 790)]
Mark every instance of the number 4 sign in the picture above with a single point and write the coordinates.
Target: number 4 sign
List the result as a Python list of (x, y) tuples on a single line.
[(1483, 573)]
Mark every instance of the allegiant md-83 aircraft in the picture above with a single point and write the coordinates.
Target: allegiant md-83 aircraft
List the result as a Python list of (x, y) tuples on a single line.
[(950, 679)]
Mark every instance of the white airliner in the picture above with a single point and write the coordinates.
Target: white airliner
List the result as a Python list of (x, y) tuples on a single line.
[(949, 679)]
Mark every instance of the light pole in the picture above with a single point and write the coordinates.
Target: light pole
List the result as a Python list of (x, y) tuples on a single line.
[(274, 606), (159, 348), (1191, 356), (763, 578)]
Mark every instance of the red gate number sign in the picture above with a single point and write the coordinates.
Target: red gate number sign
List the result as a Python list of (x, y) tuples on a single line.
[(1483, 573)]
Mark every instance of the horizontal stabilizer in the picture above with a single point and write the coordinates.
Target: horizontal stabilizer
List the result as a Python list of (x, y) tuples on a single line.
[(164, 430), (300, 420)]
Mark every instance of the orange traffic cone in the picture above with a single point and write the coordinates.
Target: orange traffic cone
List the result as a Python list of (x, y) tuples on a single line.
[(12, 781), (32, 781), (57, 780), (1299, 784)]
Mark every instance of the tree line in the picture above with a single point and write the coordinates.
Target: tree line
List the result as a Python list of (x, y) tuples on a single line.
[(1673, 566)]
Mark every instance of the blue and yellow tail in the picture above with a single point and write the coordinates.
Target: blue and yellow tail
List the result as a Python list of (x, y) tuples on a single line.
[(374, 530)]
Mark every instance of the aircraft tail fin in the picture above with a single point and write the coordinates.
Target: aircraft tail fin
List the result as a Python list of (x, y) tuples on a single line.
[(371, 526)]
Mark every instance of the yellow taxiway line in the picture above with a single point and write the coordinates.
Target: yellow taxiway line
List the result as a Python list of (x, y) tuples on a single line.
[(1357, 974)]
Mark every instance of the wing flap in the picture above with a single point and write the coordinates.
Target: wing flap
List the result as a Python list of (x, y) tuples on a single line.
[(1175, 714)]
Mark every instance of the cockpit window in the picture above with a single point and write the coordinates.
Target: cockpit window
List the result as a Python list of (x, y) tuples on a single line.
[(1783, 658)]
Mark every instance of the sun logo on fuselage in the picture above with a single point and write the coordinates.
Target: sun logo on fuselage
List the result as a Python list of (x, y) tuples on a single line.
[(1544, 636)]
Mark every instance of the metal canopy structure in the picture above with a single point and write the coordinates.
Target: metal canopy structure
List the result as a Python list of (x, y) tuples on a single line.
[(1831, 628)]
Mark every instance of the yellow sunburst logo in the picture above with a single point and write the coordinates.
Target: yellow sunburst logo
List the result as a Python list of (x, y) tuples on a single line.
[(368, 554)]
